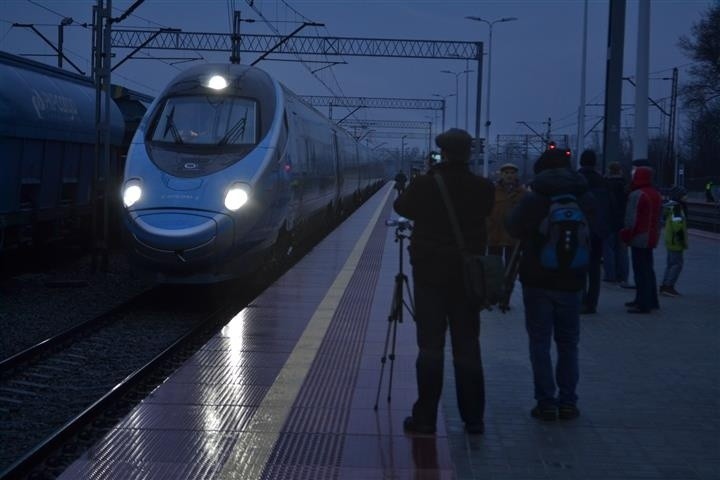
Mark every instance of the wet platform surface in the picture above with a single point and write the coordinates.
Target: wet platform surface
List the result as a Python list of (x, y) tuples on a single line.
[(287, 389)]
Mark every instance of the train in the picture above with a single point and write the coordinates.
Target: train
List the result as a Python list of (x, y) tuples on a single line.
[(51, 180), (229, 168)]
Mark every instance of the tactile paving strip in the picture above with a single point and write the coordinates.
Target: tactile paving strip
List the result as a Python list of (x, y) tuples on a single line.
[(311, 445)]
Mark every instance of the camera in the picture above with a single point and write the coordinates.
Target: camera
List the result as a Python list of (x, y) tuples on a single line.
[(401, 223)]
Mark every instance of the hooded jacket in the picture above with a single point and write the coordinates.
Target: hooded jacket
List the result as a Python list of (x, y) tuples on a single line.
[(642, 214), (434, 253), (524, 220)]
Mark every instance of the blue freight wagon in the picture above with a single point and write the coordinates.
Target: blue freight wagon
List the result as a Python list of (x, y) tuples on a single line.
[(48, 164)]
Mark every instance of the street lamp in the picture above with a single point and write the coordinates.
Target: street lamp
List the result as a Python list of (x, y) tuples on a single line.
[(444, 103), (487, 108), (402, 151), (457, 93)]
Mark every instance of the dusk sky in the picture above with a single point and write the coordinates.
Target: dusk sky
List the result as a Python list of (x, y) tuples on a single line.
[(536, 59)]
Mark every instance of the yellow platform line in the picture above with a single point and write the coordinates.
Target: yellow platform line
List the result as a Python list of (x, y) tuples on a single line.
[(253, 448)]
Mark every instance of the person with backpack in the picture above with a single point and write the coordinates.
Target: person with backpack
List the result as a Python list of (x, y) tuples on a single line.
[(641, 232), (599, 229), (552, 221), (676, 239)]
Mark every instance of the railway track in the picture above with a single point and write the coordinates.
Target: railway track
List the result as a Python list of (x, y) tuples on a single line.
[(51, 390), (61, 396), (704, 216)]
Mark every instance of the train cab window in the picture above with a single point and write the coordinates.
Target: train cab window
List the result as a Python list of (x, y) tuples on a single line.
[(207, 120)]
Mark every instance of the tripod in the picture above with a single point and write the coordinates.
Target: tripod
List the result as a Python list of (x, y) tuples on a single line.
[(397, 305)]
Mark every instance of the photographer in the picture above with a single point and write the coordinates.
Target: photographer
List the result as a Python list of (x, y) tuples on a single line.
[(440, 299)]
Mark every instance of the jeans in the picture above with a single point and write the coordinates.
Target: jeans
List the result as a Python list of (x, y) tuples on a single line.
[(553, 314), (436, 308), (646, 294), (673, 267), (615, 259)]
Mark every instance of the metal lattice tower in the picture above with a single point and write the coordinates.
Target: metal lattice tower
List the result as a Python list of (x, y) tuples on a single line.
[(171, 39)]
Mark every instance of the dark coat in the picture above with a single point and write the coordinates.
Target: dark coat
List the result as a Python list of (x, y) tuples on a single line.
[(597, 185), (434, 253), (618, 188), (524, 220)]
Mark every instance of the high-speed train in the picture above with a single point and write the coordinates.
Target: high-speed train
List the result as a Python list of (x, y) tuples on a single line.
[(229, 166)]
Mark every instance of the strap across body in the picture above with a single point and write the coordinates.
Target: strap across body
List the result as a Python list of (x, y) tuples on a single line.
[(451, 212)]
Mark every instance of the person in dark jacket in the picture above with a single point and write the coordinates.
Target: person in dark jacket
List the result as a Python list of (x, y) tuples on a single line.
[(551, 297), (400, 181), (642, 231), (615, 254), (599, 230), (440, 299)]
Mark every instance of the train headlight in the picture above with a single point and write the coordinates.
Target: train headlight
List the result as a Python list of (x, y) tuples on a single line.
[(236, 196), (217, 82), (131, 193)]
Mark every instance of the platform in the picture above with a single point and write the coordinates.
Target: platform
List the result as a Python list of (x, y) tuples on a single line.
[(287, 389)]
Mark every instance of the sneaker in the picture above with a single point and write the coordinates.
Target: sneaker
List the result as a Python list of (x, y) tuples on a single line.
[(626, 285), (411, 426), (568, 412), (544, 413), (668, 291), (586, 310), (663, 290), (631, 304)]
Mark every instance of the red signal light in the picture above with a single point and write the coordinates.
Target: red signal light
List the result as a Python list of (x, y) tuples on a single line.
[(551, 146)]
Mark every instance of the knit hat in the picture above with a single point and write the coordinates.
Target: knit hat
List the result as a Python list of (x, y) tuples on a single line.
[(552, 158), (588, 158), (677, 193)]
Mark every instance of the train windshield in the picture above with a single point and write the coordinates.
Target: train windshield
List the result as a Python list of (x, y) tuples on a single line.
[(207, 120)]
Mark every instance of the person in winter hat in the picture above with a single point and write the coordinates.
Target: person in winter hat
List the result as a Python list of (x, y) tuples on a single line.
[(676, 239), (508, 192), (551, 297)]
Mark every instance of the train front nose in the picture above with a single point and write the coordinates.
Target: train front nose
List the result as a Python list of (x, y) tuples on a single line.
[(177, 240)]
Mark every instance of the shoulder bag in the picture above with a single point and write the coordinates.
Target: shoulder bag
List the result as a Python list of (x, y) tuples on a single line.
[(482, 274)]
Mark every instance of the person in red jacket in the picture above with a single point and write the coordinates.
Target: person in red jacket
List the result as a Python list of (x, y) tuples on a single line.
[(641, 232)]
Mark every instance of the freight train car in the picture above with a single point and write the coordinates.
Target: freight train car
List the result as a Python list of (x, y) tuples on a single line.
[(48, 165)]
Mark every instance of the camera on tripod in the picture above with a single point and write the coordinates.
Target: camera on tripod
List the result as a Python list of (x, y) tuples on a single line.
[(401, 223)]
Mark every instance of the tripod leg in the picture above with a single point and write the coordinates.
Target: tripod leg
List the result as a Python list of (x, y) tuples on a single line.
[(411, 304), (392, 356), (394, 317), (383, 359)]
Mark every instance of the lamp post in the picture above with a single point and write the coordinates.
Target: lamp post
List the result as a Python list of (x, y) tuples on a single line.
[(457, 92), (444, 104), (402, 151), (489, 77)]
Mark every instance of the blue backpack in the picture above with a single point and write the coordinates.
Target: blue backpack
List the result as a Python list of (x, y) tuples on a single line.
[(565, 235)]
